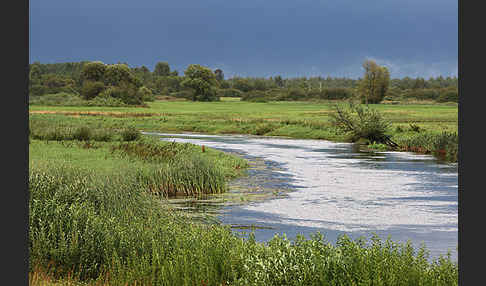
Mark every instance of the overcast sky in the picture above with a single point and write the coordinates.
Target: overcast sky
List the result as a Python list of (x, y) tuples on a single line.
[(258, 38)]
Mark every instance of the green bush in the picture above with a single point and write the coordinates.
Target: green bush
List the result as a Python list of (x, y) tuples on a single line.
[(210, 96), (68, 99), (58, 99), (105, 100), (293, 94), (422, 94), (37, 90), (448, 95), (127, 93), (361, 122), (336, 93), (146, 94), (264, 128), (83, 133), (92, 89), (130, 134), (230, 92), (254, 96), (186, 94)]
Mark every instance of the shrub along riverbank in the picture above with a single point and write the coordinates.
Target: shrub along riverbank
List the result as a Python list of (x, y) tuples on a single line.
[(94, 220)]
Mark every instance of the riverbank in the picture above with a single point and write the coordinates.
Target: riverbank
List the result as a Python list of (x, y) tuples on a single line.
[(342, 189), (92, 221), (422, 128)]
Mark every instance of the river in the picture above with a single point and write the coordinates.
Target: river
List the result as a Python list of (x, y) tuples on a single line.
[(337, 189)]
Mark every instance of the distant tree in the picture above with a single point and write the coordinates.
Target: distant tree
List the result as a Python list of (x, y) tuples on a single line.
[(419, 83), (143, 74), (219, 75), (92, 89), (202, 80), (35, 73), (448, 94), (56, 81), (162, 69), (375, 82), (259, 84), (242, 84), (225, 84), (126, 92), (144, 69), (279, 81), (116, 74), (406, 83), (168, 84), (229, 92), (294, 94), (93, 71), (146, 94)]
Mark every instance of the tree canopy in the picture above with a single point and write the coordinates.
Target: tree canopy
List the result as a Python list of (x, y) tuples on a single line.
[(162, 69), (374, 84), (202, 80)]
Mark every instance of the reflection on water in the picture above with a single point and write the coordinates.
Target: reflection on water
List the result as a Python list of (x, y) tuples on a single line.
[(334, 188)]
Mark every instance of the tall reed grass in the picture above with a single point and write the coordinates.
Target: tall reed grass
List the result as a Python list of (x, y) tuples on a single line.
[(49, 132), (107, 230), (444, 145)]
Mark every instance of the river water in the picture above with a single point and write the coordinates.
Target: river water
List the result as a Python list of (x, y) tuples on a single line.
[(337, 189)]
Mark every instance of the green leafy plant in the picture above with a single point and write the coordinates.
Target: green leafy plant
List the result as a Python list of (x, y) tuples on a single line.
[(361, 122), (130, 134)]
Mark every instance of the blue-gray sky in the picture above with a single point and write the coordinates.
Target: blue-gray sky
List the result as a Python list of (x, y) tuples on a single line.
[(258, 38)]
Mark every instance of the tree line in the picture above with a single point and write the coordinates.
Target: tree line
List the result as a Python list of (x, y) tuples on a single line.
[(134, 85)]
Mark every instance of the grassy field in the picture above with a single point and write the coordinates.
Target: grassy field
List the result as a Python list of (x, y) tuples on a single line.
[(281, 118), (418, 127)]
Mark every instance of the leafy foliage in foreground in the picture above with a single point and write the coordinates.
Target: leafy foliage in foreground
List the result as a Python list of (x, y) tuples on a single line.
[(91, 227)]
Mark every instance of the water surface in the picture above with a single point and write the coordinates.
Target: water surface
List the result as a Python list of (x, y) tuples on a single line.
[(337, 189)]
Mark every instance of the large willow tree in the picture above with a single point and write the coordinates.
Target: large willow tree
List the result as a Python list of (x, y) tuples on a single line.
[(374, 85)]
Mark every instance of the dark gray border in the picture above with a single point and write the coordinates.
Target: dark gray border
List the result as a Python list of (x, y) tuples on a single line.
[(15, 149), (470, 72)]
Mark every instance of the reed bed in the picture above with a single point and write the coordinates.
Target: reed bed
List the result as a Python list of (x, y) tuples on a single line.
[(57, 132), (443, 145), (190, 176), (62, 133), (180, 169), (94, 229)]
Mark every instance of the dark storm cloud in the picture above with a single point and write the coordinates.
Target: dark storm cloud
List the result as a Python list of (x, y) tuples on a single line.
[(251, 38)]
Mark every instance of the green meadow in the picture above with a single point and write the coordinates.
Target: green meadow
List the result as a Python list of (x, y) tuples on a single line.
[(293, 119), (98, 214), (423, 128)]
